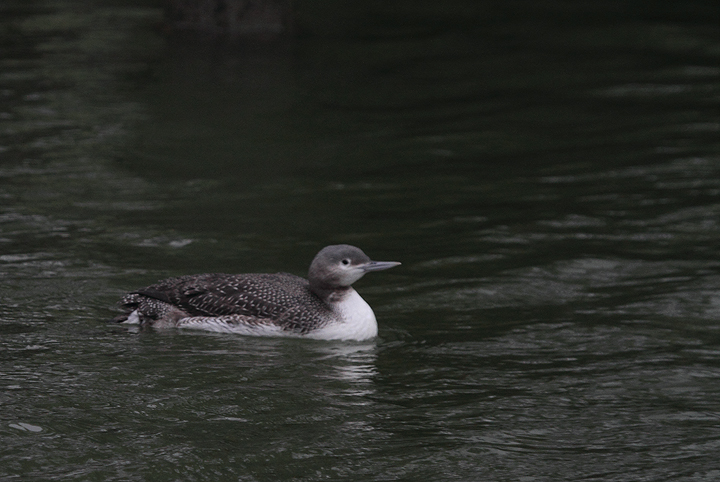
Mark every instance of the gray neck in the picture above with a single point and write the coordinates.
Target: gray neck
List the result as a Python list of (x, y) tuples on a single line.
[(329, 293)]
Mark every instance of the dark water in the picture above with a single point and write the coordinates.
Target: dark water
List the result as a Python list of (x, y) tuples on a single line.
[(547, 172)]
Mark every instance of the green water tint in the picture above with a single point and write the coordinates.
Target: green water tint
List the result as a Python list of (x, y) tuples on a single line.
[(547, 174)]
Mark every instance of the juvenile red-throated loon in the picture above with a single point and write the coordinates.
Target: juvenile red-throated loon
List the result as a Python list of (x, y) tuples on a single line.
[(325, 306)]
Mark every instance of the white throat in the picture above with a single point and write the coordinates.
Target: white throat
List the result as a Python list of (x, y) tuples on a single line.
[(356, 320)]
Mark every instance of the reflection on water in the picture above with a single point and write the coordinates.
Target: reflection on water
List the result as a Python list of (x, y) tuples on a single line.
[(548, 174)]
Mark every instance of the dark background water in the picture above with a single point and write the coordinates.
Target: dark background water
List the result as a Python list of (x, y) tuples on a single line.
[(547, 172)]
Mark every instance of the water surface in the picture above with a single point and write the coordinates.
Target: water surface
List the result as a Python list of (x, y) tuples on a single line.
[(548, 174)]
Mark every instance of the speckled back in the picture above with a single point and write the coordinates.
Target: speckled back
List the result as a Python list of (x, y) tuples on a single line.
[(281, 299)]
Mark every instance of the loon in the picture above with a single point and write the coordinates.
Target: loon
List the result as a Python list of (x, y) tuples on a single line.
[(325, 306)]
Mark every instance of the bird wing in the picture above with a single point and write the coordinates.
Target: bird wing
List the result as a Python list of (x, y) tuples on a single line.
[(258, 295)]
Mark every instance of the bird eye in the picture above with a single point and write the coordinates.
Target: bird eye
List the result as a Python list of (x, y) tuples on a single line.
[(346, 261)]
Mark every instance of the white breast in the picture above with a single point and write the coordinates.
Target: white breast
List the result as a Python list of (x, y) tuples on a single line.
[(356, 321)]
